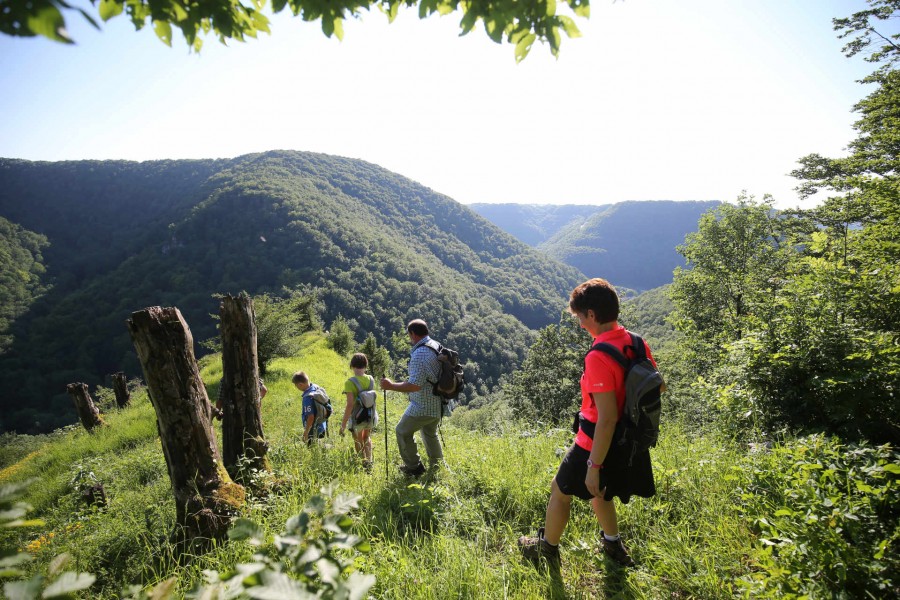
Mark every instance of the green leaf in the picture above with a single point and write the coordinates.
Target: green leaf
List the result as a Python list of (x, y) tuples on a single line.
[(358, 585), (59, 563), (551, 8), (245, 529), (69, 583), (569, 26), (892, 468), (339, 28), (278, 586), (344, 503), (48, 22), (163, 31), (783, 512), (24, 590), (164, 590), (111, 8), (524, 47)]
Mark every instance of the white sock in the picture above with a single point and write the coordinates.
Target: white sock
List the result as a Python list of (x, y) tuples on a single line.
[(611, 538)]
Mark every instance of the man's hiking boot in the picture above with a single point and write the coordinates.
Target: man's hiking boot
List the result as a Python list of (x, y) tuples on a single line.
[(367, 465), (536, 548), (616, 550), (416, 471)]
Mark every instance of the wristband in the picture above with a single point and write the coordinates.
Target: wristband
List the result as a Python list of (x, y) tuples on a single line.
[(592, 465)]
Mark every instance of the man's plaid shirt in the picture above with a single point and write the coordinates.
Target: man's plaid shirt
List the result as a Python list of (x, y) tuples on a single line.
[(424, 368)]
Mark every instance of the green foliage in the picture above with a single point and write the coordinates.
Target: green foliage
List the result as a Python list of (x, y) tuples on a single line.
[(648, 314), (377, 249), (340, 336), (379, 358), (862, 29), (21, 273), (280, 320), (547, 386), (520, 24), (312, 558), (58, 583), (828, 519), (735, 260)]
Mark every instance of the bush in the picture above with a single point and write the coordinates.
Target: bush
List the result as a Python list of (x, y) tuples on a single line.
[(828, 519)]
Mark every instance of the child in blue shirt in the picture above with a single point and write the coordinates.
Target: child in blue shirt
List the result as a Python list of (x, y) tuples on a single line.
[(302, 383)]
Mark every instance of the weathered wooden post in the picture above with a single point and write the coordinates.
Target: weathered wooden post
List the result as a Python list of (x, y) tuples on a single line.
[(242, 430), (205, 496), (121, 389), (84, 406)]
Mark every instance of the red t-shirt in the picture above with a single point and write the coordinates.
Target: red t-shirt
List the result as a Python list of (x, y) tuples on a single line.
[(603, 374)]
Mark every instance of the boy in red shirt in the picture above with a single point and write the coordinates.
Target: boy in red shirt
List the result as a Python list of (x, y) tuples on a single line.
[(592, 469)]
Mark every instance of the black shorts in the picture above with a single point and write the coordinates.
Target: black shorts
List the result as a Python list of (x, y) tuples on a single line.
[(572, 471), (617, 479)]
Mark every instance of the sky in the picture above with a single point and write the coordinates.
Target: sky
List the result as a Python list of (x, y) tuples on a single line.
[(686, 100)]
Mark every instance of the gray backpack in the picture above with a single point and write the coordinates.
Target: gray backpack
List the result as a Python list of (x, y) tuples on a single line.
[(368, 396), (323, 406)]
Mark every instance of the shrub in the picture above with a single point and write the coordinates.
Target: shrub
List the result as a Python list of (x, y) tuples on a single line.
[(828, 519)]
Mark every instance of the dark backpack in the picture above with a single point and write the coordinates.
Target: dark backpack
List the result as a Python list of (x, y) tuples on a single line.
[(451, 378), (638, 429)]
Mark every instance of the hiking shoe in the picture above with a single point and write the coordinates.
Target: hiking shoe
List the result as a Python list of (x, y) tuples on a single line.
[(367, 465), (416, 471), (536, 548), (616, 550)]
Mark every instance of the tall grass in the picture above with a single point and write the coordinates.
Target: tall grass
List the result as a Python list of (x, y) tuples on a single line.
[(450, 535)]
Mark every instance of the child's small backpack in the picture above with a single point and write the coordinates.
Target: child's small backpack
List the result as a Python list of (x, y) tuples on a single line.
[(366, 400), (638, 429), (322, 403), (451, 378)]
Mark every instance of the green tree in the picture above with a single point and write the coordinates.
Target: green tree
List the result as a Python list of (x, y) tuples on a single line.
[(340, 336), (520, 23), (379, 357), (547, 386), (280, 320), (735, 262)]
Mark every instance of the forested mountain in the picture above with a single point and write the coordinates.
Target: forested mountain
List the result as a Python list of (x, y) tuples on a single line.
[(632, 244), (379, 248), (21, 268), (534, 223)]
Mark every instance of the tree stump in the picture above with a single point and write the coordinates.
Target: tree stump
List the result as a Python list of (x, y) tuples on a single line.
[(242, 429), (121, 388), (84, 406), (205, 496)]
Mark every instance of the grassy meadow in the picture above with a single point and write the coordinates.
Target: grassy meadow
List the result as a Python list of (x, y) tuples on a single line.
[(451, 534)]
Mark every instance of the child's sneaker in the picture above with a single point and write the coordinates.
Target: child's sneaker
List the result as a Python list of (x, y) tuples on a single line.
[(616, 550), (536, 548)]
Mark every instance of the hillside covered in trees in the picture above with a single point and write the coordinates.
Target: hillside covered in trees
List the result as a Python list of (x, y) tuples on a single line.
[(629, 243), (376, 248)]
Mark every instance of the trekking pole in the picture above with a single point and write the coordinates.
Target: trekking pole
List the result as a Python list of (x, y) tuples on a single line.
[(386, 472)]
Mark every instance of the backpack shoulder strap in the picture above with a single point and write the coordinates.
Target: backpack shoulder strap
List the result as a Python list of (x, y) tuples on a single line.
[(433, 346), (356, 384), (638, 347), (371, 383), (611, 351)]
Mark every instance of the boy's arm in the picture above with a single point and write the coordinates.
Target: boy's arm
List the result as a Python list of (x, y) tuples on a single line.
[(310, 421)]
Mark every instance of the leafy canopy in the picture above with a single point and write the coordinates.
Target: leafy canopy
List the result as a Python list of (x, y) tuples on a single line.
[(521, 23)]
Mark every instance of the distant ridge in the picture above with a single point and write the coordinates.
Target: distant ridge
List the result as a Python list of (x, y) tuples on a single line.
[(534, 223), (630, 243)]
